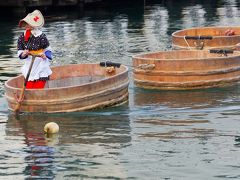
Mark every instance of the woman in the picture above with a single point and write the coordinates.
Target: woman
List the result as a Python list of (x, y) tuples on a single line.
[(33, 41)]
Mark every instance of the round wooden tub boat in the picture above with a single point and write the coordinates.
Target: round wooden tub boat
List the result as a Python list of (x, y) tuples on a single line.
[(186, 69), (206, 38), (72, 88)]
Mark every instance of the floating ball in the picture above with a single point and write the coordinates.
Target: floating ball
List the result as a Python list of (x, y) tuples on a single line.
[(51, 128)]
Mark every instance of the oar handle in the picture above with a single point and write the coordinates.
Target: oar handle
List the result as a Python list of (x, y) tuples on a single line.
[(198, 37), (29, 70), (109, 63), (221, 51)]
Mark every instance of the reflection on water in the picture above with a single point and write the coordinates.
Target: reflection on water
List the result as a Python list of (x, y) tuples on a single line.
[(193, 133), (184, 114), (86, 146), (171, 122), (170, 134), (159, 135), (189, 99)]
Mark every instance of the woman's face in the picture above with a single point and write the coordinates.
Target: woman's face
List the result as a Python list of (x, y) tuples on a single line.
[(28, 27)]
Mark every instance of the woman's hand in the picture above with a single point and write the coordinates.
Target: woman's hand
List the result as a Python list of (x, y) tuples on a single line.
[(25, 53), (43, 56)]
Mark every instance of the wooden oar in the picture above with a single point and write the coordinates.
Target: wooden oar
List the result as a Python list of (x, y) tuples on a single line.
[(199, 37), (109, 63), (221, 51), (17, 108)]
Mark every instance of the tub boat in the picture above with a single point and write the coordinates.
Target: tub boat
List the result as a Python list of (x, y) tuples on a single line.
[(72, 88), (202, 38), (186, 69)]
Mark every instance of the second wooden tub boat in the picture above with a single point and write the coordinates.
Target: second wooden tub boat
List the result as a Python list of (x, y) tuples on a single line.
[(201, 38), (186, 69), (72, 88)]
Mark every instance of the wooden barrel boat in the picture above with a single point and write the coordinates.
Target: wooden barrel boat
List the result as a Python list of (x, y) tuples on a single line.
[(186, 69), (72, 88), (206, 38)]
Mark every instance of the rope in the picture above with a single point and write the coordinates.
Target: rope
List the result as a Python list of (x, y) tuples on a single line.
[(187, 43)]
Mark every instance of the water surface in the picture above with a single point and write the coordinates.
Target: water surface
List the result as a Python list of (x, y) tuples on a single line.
[(156, 135)]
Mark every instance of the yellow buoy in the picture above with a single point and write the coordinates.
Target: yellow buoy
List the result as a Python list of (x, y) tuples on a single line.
[(51, 128)]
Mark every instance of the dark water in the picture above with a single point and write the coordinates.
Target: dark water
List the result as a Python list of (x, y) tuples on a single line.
[(156, 135)]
